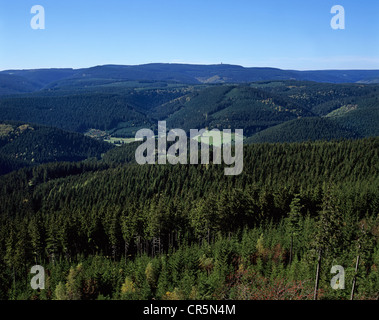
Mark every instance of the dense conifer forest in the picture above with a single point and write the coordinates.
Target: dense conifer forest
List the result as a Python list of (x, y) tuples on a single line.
[(268, 111), (111, 229), (133, 178), (104, 227), (23, 145)]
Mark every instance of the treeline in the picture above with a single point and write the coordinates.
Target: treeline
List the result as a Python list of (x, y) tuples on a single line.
[(292, 203)]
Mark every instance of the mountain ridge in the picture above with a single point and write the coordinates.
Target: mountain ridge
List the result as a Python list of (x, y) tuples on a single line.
[(48, 78)]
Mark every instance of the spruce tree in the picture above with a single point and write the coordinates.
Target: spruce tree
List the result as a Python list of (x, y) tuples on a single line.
[(328, 237), (292, 222)]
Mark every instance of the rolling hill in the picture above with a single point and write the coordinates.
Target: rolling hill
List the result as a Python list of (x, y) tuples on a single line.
[(252, 107), (23, 144), (12, 84), (304, 129), (58, 79), (108, 228), (120, 100)]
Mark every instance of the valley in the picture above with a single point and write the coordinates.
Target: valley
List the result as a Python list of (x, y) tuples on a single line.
[(74, 200)]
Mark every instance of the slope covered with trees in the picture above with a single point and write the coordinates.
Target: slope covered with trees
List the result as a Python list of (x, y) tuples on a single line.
[(11, 84), (122, 108), (23, 144), (304, 129), (105, 229), (185, 73)]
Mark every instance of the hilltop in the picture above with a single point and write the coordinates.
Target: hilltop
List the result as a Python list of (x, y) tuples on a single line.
[(13, 81)]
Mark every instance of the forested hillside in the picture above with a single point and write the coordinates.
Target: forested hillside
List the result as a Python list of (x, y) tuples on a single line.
[(179, 73), (268, 109), (104, 227), (24, 144), (304, 129), (108, 230), (11, 84)]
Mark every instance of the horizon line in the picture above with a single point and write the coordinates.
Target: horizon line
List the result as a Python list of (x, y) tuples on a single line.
[(183, 64)]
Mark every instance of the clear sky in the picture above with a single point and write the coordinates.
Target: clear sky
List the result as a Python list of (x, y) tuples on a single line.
[(288, 34)]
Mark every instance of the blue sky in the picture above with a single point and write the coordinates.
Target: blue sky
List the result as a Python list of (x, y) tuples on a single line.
[(288, 34)]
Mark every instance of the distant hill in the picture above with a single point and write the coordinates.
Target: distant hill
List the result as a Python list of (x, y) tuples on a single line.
[(12, 84), (55, 79), (24, 144), (305, 129), (254, 107), (233, 106), (40, 77)]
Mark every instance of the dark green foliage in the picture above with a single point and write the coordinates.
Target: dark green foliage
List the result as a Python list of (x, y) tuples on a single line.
[(74, 113), (123, 154), (9, 164), (277, 111), (29, 145), (305, 129), (105, 229)]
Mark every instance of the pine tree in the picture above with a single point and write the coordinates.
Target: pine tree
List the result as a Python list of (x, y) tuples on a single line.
[(9, 257), (292, 222), (35, 233), (128, 227), (328, 235), (74, 283), (151, 275)]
